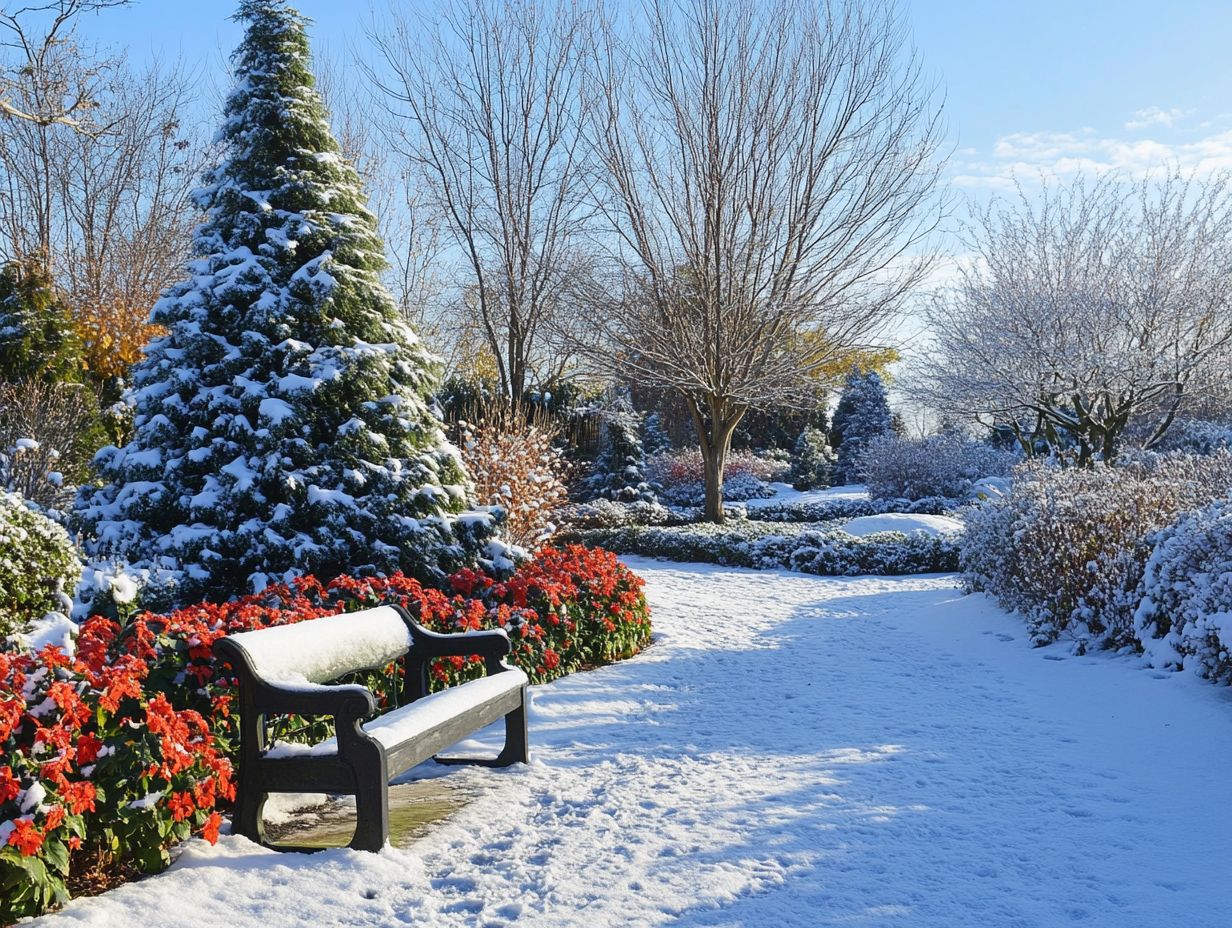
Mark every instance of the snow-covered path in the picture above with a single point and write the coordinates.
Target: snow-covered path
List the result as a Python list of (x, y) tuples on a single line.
[(795, 751)]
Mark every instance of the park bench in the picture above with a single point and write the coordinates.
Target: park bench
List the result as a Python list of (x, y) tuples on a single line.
[(289, 669)]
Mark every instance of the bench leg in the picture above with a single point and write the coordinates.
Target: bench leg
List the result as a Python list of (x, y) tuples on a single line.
[(517, 737), (371, 804), (247, 820)]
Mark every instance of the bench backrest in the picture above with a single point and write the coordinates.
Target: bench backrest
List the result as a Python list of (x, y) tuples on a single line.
[(320, 650)]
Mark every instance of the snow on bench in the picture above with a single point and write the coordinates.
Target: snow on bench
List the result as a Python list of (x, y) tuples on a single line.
[(287, 670)]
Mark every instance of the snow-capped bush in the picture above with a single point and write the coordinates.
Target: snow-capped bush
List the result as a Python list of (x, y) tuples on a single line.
[(862, 414), (516, 465), (812, 461), (606, 513), (946, 465), (284, 423), (681, 476), (38, 564), (1067, 547), (827, 551), (619, 471), (1185, 616)]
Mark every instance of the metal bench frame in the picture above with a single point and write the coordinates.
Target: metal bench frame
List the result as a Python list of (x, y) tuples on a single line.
[(362, 766)]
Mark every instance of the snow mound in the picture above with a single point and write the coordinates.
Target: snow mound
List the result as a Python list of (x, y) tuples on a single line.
[(933, 526)]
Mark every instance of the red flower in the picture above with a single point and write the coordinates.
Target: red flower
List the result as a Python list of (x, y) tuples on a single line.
[(210, 830), (10, 786), (181, 806), (79, 796), (25, 837)]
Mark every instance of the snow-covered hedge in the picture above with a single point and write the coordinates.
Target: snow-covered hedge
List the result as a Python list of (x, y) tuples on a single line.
[(38, 564), (1184, 620), (1067, 548), (847, 508), (945, 465), (827, 551)]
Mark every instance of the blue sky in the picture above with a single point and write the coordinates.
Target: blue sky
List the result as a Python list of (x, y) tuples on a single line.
[(1030, 85)]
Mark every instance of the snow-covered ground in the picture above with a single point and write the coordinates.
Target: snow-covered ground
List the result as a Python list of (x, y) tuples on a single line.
[(907, 523), (794, 751), (786, 493)]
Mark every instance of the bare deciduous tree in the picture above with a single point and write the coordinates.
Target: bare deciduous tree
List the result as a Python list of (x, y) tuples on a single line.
[(108, 213), (487, 110), (1086, 308), (770, 170), (42, 82)]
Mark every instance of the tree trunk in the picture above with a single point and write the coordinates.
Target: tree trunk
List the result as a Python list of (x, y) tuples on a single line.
[(714, 426)]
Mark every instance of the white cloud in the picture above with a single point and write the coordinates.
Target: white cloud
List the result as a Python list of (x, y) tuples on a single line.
[(1154, 116), (1023, 155)]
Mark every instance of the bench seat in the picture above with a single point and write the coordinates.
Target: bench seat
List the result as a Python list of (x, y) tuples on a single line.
[(488, 696)]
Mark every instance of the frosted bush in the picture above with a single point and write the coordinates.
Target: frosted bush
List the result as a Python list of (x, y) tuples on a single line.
[(1184, 619), (947, 465), (1067, 548), (37, 564), (515, 465)]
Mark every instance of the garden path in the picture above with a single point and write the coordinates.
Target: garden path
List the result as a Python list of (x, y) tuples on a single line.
[(794, 751)]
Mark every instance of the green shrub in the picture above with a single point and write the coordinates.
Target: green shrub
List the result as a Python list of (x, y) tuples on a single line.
[(37, 564), (822, 550)]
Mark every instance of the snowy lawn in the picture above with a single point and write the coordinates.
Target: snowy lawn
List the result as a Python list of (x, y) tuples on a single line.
[(794, 751), (785, 493)]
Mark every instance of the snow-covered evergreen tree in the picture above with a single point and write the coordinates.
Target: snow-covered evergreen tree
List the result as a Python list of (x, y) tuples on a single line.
[(812, 461), (620, 469), (862, 414), (283, 424), (37, 339), (655, 439)]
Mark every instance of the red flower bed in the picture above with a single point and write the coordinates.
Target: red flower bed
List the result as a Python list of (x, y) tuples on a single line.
[(124, 748)]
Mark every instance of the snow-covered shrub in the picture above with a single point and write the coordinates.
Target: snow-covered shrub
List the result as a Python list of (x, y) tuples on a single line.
[(827, 551), (1067, 547), (1185, 615), (862, 414), (848, 508), (681, 476), (515, 464), (1195, 436), (812, 461), (48, 433), (946, 465), (284, 424), (38, 564), (620, 469), (605, 513)]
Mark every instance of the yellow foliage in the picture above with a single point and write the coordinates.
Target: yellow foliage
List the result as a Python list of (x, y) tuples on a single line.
[(114, 335), (836, 362)]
